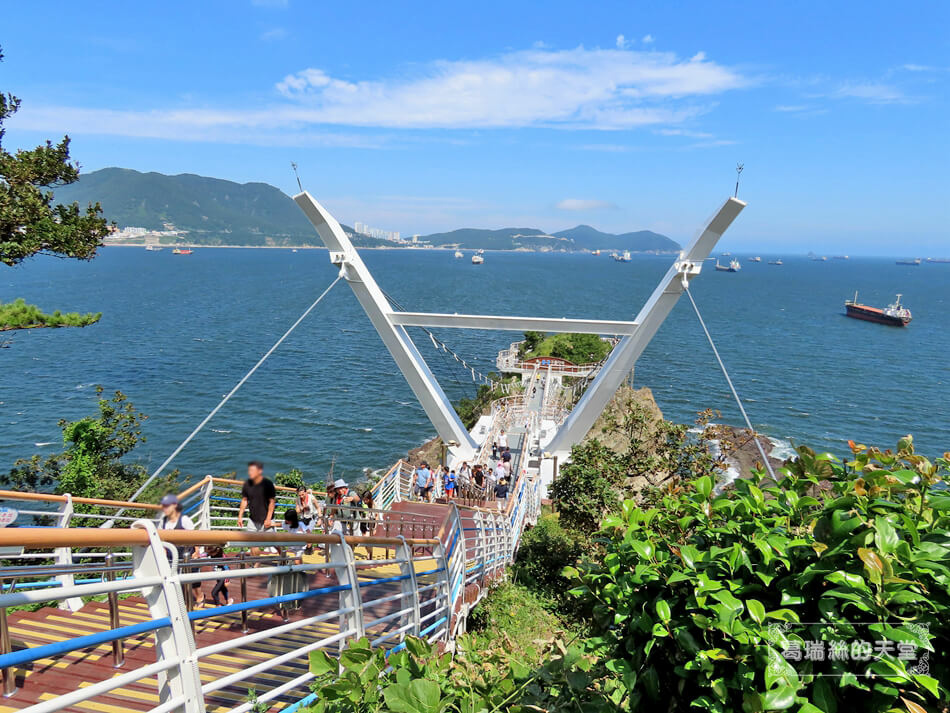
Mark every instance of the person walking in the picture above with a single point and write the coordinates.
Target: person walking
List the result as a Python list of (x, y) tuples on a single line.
[(502, 440), (448, 482), (174, 519), (501, 493), (221, 586), (344, 503), (258, 498), (423, 477), (370, 518)]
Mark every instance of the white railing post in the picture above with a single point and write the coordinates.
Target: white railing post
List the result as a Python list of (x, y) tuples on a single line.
[(350, 598), (63, 556), (206, 491), (410, 588), (445, 588), (482, 546), (175, 642)]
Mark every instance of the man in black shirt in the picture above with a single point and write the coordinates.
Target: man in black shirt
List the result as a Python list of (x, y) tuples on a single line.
[(258, 497)]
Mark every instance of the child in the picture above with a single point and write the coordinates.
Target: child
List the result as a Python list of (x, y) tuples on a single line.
[(221, 586), (292, 525), (449, 482)]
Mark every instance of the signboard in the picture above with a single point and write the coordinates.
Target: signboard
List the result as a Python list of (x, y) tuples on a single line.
[(7, 516)]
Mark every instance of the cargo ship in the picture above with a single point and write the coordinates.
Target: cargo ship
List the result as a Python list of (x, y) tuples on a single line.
[(915, 261), (182, 251), (733, 266), (894, 314)]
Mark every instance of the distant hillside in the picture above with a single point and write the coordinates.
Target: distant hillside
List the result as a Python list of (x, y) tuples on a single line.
[(588, 238), (502, 239), (218, 212), (212, 210), (583, 237)]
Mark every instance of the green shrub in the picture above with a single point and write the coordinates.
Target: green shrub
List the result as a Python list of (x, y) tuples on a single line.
[(545, 550), (421, 679), (586, 488), (20, 315), (702, 601)]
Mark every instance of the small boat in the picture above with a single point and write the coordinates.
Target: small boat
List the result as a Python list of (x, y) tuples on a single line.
[(294, 250), (733, 266), (153, 248), (755, 259), (842, 257), (942, 260), (596, 252), (477, 259), (625, 257), (458, 254), (894, 315), (182, 251), (915, 261), (481, 251), (727, 254), (776, 262)]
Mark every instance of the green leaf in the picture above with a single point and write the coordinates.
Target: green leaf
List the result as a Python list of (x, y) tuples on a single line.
[(885, 536), (823, 695), (756, 610), (321, 663), (779, 699), (419, 696), (703, 486)]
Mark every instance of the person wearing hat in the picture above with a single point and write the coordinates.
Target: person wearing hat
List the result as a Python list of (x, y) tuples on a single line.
[(174, 519), (343, 499)]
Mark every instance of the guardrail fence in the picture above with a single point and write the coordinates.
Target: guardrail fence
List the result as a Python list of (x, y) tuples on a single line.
[(135, 631)]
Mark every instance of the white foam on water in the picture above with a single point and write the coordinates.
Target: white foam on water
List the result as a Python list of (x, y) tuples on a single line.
[(219, 430), (43, 443), (781, 449)]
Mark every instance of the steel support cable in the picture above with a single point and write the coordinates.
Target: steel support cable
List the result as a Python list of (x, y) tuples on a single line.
[(735, 394), (231, 393), (437, 343)]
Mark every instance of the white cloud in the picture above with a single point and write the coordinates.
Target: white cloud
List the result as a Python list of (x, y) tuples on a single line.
[(564, 89), (874, 92), (583, 204), (277, 33), (647, 39), (621, 42), (579, 88)]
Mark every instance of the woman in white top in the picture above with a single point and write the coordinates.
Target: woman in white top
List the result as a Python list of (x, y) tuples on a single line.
[(308, 509)]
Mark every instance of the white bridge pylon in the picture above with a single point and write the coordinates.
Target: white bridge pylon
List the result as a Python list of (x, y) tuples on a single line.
[(391, 326)]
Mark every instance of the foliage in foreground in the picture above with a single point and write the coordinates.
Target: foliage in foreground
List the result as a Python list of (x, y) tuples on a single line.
[(420, 679), (545, 550), (595, 481), (20, 315), (92, 464), (713, 602), (29, 221)]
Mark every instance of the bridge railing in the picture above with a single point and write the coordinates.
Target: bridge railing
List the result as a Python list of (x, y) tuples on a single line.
[(352, 602), (432, 583)]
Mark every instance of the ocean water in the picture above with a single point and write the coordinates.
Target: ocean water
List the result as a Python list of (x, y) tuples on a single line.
[(178, 332)]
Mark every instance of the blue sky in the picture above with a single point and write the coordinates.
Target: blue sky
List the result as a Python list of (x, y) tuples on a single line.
[(429, 116)]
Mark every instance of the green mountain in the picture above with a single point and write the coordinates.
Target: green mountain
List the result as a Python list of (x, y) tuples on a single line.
[(588, 238), (218, 212), (212, 210)]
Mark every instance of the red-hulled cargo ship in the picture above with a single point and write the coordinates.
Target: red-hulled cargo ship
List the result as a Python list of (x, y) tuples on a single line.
[(894, 314)]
